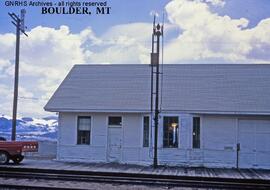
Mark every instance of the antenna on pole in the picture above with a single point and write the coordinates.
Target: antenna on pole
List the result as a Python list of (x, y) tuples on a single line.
[(157, 33), (19, 24)]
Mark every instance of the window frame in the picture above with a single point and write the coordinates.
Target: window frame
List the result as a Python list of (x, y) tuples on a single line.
[(193, 143), (108, 121), (90, 134), (149, 128), (178, 132)]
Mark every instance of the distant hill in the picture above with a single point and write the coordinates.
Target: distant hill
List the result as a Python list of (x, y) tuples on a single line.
[(29, 128)]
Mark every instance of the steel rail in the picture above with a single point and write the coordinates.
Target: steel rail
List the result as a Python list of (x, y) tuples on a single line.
[(29, 187), (134, 178)]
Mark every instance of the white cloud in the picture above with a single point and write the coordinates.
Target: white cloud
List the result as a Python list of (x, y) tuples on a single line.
[(49, 54), (215, 2), (7, 42), (46, 57), (50, 47), (28, 103), (4, 64), (123, 44), (6, 95), (4, 90), (207, 35), (126, 43)]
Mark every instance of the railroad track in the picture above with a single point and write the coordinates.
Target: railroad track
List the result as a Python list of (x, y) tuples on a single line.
[(128, 178)]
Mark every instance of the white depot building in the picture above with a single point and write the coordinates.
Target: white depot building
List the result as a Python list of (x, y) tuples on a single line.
[(207, 109)]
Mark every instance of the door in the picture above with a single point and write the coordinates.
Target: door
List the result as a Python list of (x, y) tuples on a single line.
[(254, 142), (114, 144), (246, 138), (263, 144)]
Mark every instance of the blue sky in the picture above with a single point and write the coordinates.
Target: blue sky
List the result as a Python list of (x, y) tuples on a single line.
[(123, 11), (128, 11), (196, 31), (253, 10)]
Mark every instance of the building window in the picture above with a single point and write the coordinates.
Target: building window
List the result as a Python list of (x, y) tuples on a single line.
[(84, 128), (115, 120), (146, 127), (196, 132), (170, 132)]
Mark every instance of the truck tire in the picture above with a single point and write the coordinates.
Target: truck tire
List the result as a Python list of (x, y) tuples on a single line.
[(17, 159), (4, 157)]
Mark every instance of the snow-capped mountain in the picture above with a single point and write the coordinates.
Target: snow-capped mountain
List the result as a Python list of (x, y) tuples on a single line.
[(29, 128)]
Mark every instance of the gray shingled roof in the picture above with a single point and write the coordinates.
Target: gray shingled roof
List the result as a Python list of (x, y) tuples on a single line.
[(196, 88)]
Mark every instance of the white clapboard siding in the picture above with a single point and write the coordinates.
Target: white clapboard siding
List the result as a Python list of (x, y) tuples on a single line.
[(232, 101)]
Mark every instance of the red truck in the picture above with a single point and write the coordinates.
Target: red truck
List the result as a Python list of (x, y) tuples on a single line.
[(13, 150)]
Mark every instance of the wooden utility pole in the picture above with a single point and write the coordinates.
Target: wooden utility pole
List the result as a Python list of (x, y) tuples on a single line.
[(157, 33), (19, 24)]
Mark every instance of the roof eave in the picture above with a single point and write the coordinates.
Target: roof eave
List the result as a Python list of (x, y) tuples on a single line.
[(262, 113), (95, 110)]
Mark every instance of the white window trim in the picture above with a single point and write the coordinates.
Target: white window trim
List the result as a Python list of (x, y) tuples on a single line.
[(116, 126), (91, 124), (162, 128), (142, 130), (201, 133), (122, 121)]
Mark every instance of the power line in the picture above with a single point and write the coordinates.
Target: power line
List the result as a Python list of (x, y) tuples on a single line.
[(32, 98)]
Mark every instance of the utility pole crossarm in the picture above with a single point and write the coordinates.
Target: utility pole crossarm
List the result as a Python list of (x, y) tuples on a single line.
[(19, 22), (13, 16)]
